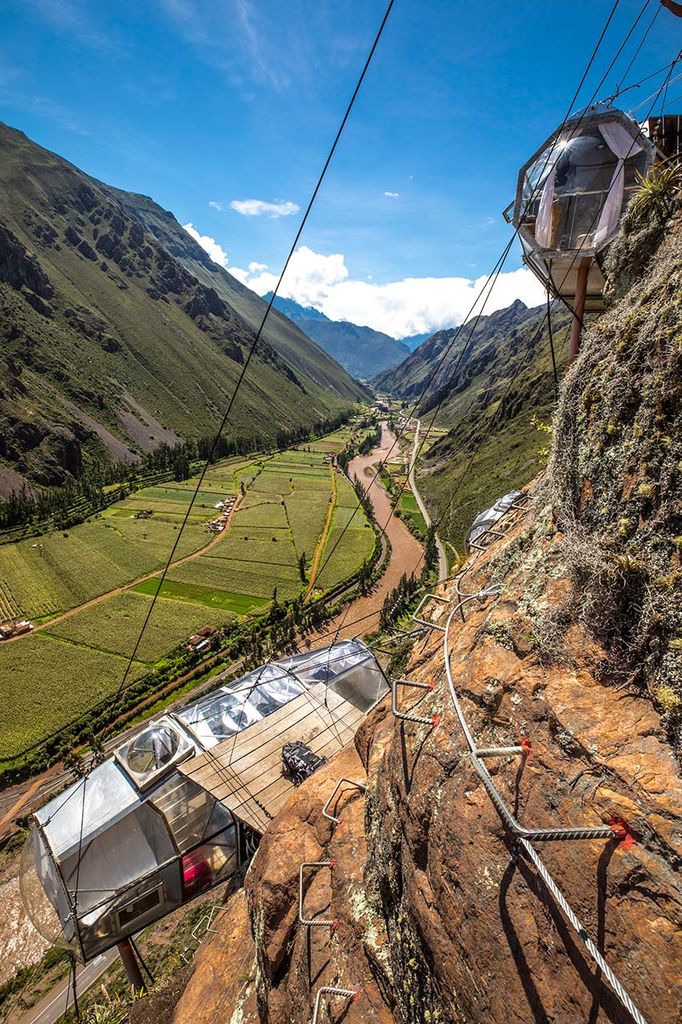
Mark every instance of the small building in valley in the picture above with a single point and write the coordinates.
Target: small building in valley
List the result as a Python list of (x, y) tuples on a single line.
[(15, 628)]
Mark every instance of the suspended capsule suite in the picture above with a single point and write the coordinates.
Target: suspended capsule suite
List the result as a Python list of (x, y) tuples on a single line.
[(156, 825), (570, 198)]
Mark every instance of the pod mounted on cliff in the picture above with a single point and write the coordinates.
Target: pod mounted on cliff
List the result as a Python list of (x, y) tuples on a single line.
[(486, 520), (173, 812), (570, 197)]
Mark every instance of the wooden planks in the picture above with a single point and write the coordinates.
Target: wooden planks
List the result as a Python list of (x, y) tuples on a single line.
[(245, 771)]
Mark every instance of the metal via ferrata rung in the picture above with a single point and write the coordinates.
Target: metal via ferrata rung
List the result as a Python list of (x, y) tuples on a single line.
[(329, 990), (425, 622), (524, 749), (408, 716), (315, 922), (325, 809)]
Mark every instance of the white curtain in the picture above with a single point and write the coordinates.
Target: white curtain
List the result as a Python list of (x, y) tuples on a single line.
[(543, 223), (623, 146)]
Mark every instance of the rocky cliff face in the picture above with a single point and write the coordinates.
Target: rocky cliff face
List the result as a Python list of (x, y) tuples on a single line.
[(110, 344), (441, 916)]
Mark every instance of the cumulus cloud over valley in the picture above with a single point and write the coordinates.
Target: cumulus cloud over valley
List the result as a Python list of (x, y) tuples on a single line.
[(414, 305), (260, 208)]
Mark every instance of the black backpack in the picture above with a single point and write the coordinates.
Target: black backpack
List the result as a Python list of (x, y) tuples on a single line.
[(299, 762)]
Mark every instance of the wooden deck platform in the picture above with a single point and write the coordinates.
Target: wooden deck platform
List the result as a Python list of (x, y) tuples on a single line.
[(245, 771)]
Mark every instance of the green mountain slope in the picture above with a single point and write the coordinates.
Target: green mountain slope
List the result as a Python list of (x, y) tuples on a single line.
[(363, 351), (110, 345), (300, 352), (501, 387)]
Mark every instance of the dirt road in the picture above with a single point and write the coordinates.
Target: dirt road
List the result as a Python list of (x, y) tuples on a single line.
[(407, 554)]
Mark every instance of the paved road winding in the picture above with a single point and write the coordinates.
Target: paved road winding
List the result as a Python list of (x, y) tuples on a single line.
[(442, 560)]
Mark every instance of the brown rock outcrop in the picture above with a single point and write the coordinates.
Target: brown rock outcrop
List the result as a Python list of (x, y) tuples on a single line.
[(440, 917)]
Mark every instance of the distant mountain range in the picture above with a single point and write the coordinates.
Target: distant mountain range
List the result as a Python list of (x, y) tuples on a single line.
[(487, 397), (118, 332), (362, 351)]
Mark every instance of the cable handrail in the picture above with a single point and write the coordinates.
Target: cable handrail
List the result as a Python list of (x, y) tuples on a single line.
[(617, 830)]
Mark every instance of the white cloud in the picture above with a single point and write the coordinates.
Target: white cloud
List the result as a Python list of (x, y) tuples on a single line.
[(214, 250), (415, 305), (256, 268), (216, 204), (241, 274), (392, 195), (260, 208)]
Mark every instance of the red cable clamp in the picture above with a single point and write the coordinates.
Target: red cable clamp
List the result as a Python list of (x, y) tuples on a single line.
[(622, 832), (332, 863), (435, 720), (526, 747), (335, 925)]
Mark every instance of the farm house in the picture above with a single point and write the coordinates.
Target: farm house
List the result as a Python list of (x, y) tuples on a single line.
[(176, 809)]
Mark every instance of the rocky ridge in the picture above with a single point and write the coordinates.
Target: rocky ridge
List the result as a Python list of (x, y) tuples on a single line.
[(111, 344)]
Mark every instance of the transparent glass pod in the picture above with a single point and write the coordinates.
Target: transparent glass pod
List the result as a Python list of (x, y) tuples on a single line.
[(137, 839), (572, 193)]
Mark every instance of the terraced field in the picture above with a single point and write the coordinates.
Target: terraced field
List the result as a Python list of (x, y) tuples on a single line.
[(46, 682), (76, 658), (61, 570)]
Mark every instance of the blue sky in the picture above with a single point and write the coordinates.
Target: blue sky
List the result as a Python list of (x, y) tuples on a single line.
[(197, 103)]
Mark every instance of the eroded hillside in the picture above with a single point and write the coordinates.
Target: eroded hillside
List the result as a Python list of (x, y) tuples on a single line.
[(111, 345)]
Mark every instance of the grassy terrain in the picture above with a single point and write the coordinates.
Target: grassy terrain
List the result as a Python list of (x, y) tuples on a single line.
[(409, 509), (460, 489), (196, 594), (114, 625), (344, 552), (71, 665), (61, 570), (47, 682)]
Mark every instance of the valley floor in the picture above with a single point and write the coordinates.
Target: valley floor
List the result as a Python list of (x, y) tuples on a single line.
[(357, 618), (88, 590)]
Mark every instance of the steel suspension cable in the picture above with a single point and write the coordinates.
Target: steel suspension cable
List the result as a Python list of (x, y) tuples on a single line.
[(252, 350), (619, 87), (239, 382), (498, 267)]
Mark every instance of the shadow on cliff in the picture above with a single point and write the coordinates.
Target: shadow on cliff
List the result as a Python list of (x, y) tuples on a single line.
[(603, 998)]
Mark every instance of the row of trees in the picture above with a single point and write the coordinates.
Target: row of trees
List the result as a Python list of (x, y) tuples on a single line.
[(65, 506)]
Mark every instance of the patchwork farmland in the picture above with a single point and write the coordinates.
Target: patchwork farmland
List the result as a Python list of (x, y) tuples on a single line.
[(88, 590)]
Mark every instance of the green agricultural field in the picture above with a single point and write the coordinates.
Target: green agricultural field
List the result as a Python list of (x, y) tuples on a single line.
[(243, 577), (271, 483), (307, 512), (345, 551), (195, 593), (57, 571), (356, 544), (48, 682), (114, 625), (60, 672), (410, 509), (260, 514)]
